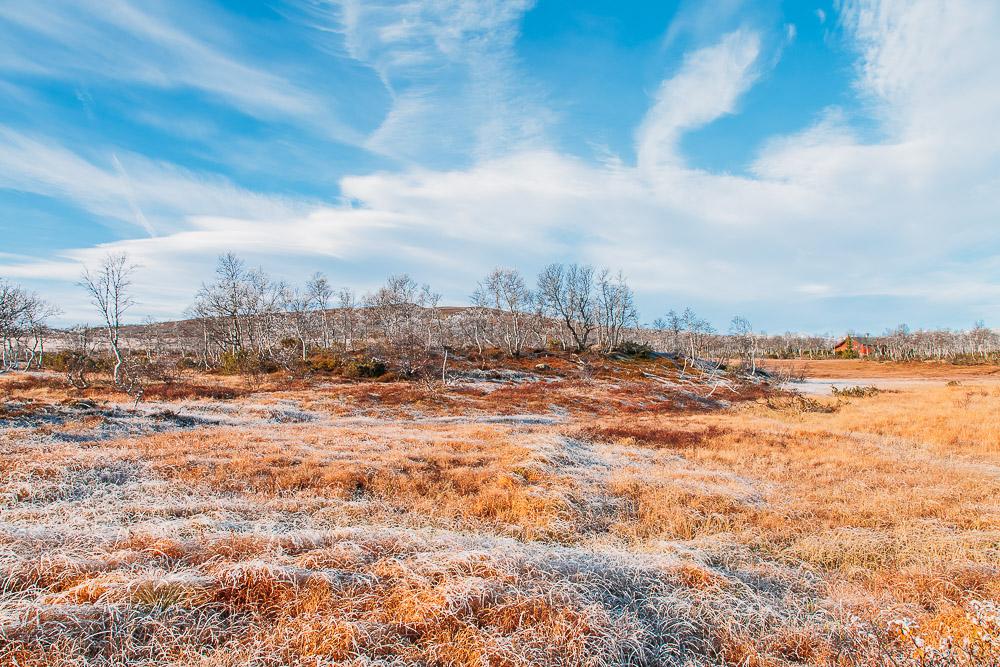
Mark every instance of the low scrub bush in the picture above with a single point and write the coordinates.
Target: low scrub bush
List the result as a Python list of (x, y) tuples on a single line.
[(182, 390), (857, 392), (66, 361), (324, 361), (796, 403), (189, 364), (243, 362), (634, 350), (370, 368)]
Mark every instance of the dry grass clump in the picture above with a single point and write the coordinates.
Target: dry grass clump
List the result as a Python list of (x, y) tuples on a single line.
[(368, 596), (866, 391), (397, 398), (670, 511), (942, 588), (176, 391), (909, 544), (27, 385), (53, 388)]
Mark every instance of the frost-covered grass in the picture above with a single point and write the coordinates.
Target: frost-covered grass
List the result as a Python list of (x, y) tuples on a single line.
[(577, 521)]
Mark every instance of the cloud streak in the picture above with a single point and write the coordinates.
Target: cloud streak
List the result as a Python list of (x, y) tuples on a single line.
[(450, 68), (707, 87), (117, 40), (169, 194)]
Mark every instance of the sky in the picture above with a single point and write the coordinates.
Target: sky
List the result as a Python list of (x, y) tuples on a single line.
[(812, 165)]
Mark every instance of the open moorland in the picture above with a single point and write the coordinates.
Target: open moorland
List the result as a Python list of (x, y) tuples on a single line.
[(547, 511)]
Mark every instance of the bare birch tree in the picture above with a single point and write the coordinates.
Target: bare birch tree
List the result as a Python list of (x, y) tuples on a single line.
[(567, 293), (615, 308), (393, 312), (347, 303), (696, 332), (243, 305), (23, 317), (109, 288), (319, 293), (746, 341), (297, 305), (505, 302)]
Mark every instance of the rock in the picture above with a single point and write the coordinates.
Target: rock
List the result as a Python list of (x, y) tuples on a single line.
[(541, 367)]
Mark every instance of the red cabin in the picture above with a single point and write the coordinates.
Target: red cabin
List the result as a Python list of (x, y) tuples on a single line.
[(861, 347)]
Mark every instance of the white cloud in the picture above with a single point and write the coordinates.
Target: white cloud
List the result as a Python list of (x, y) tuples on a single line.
[(929, 66), (707, 86)]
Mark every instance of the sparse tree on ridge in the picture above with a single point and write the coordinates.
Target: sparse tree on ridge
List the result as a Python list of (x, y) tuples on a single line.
[(245, 303), (567, 294), (225, 299), (616, 310), (746, 341), (394, 311), (110, 292), (696, 334), (505, 302), (346, 305), (674, 326), (319, 293), (430, 315), (979, 335), (298, 306)]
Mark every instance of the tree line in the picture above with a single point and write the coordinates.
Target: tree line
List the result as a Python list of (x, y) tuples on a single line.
[(243, 320), (243, 312)]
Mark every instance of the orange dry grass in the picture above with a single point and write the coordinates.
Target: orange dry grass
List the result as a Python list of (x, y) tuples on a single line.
[(330, 600), (651, 433), (961, 419), (634, 531), (665, 510), (899, 492), (472, 472)]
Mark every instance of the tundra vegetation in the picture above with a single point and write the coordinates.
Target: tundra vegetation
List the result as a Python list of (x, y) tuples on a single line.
[(316, 477)]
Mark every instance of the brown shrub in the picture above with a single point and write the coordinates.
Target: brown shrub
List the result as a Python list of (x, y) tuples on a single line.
[(177, 391), (652, 434)]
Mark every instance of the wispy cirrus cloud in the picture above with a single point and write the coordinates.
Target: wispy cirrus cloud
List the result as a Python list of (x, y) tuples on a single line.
[(707, 86), (120, 40), (923, 66), (156, 197), (457, 91)]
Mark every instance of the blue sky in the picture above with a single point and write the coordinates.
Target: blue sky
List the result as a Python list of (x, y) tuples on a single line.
[(815, 166)]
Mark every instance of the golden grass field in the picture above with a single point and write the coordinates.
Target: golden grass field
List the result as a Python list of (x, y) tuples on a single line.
[(564, 517)]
